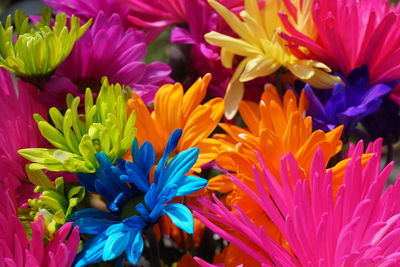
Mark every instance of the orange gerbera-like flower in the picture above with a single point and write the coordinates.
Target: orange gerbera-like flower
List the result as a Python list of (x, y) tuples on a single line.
[(275, 127), (175, 110)]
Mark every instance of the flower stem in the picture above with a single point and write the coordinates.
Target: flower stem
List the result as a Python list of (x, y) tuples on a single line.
[(154, 251)]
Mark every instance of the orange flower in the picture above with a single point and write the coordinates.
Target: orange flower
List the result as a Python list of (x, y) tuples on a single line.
[(175, 110), (275, 127)]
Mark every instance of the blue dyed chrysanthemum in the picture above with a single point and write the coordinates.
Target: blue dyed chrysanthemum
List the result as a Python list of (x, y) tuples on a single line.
[(134, 202)]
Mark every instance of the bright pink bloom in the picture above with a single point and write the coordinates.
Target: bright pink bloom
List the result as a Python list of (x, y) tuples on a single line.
[(107, 49), (351, 33), (19, 130), (356, 226), (17, 250)]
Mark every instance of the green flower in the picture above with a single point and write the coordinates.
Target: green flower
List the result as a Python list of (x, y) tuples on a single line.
[(56, 202), (104, 127), (39, 49)]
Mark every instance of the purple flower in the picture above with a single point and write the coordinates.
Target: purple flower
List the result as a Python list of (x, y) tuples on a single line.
[(346, 104), (108, 49)]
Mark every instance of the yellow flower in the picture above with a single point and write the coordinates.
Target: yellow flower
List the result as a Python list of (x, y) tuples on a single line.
[(262, 49)]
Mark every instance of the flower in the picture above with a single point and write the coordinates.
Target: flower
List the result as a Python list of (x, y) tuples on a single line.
[(351, 34), (175, 110), (37, 53), (359, 225), (107, 49), (262, 50), (17, 250), (275, 127), (123, 229), (16, 121), (347, 104), (104, 126), (85, 10), (155, 16)]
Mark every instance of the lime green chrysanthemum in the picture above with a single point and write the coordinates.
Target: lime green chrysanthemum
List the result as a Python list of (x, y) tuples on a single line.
[(105, 127), (38, 50), (56, 201)]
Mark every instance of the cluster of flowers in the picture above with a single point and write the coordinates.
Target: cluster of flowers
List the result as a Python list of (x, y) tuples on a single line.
[(272, 157)]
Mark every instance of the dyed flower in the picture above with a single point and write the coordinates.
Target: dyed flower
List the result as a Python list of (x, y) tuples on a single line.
[(175, 110), (263, 51), (104, 126), (36, 53), (107, 49), (358, 226), (351, 34), (16, 121), (86, 10), (347, 104), (142, 207), (18, 250), (275, 127)]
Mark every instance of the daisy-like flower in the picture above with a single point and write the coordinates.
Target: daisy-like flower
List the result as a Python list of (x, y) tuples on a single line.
[(107, 49), (136, 203), (275, 127), (358, 224), (262, 50), (16, 110), (347, 34), (346, 104), (38, 51), (77, 138), (86, 10), (18, 250), (174, 109)]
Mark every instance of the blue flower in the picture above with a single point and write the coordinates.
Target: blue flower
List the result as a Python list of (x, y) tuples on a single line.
[(346, 104), (122, 229)]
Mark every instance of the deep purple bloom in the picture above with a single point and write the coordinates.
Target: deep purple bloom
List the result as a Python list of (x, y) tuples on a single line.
[(108, 49), (346, 104)]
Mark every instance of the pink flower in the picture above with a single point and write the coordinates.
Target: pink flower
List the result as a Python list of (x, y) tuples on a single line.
[(19, 131), (107, 49), (17, 250), (356, 225), (351, 34)]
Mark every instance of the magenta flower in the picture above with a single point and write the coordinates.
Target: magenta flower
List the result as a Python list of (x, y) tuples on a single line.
[(19, 131), (17, 250), (89, 9), (107, 49), (353, 225), (351, 34)]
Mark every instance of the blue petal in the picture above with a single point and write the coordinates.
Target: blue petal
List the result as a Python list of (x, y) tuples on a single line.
[(134, 223), (92, 226), (158, 209), (135, 148), (171, 145), (145, 158), (181, 216), (93, 213), (190, 185), (178, 167), (151, 196), (136, 176), (92, 251), (116, 243), (87, 180), (315, 107), (135, 247)]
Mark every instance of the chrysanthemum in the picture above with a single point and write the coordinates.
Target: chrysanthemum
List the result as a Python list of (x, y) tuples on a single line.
[(86, 10), (275, 127), (17, 250), (345, 104), (108, 49), (262, 50), (350, 34), (174, 109), (16, 120), (357, 226), (136, 203)]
